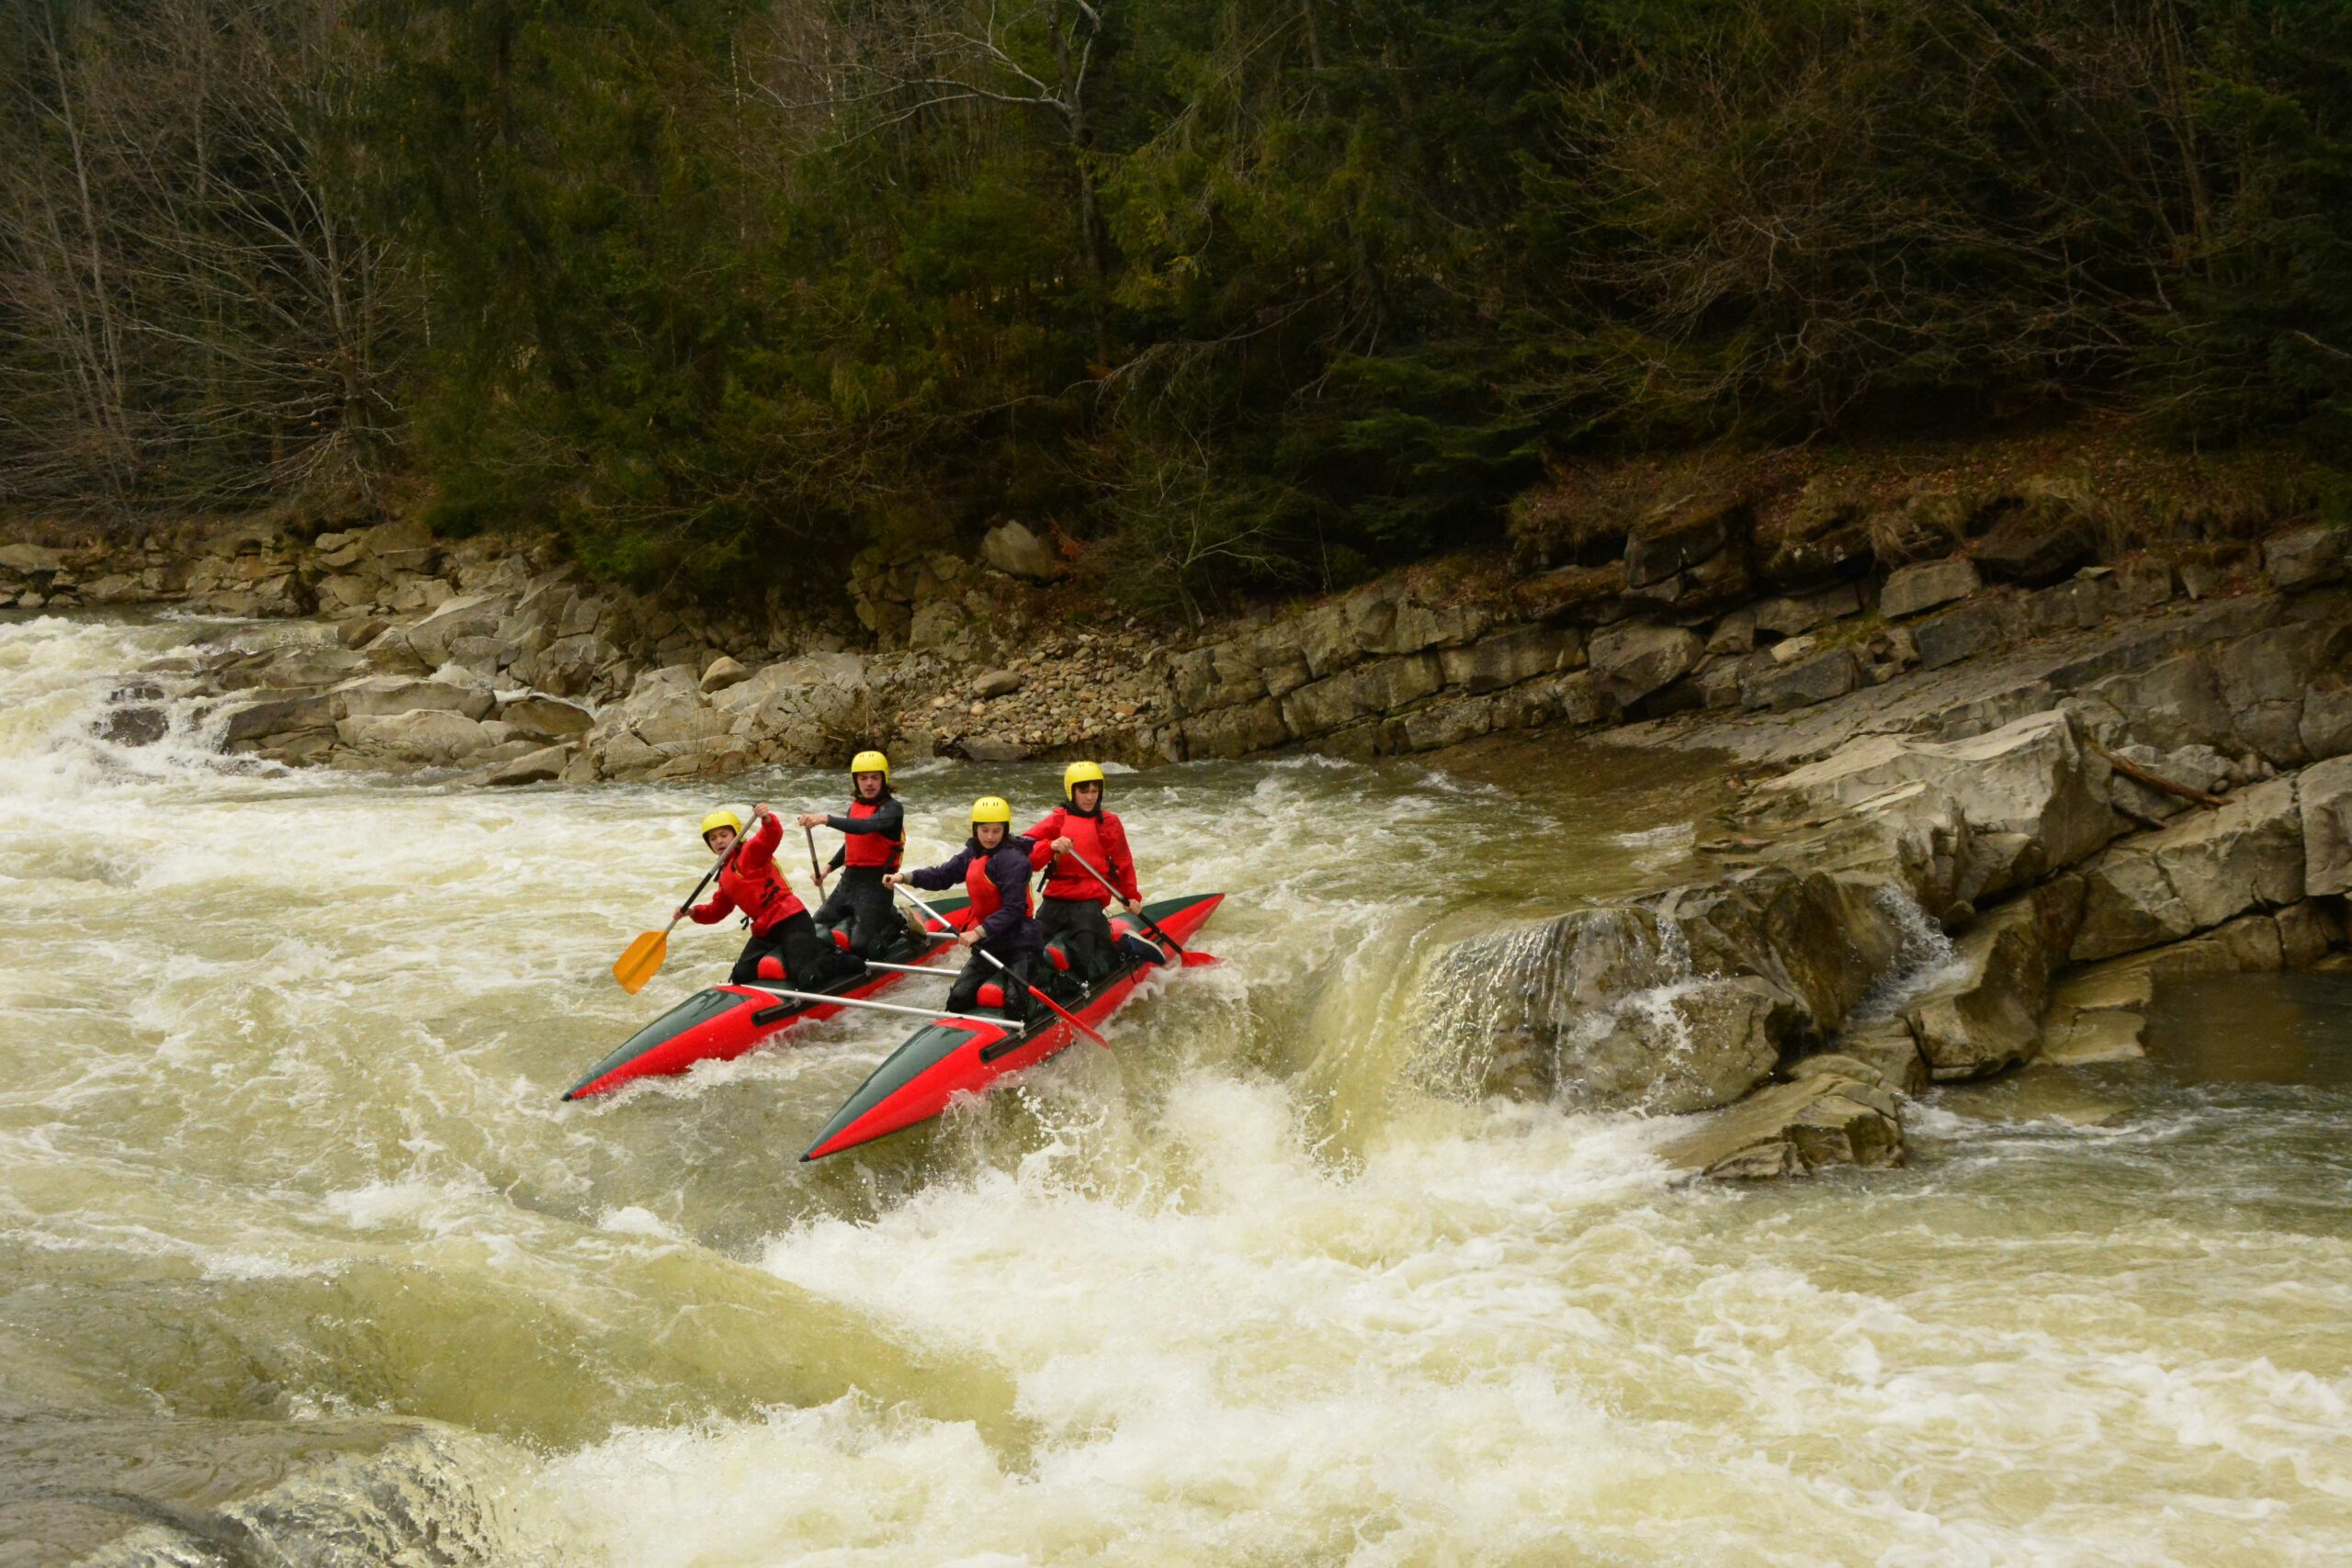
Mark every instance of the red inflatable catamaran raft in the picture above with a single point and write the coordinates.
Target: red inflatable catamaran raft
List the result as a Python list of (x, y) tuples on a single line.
[(966, 1054), (724, 1021)]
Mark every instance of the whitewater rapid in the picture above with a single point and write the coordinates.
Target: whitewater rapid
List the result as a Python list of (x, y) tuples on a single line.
[(300, 1249)]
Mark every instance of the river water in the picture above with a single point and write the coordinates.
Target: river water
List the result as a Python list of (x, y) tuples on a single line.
[(302, 1259)]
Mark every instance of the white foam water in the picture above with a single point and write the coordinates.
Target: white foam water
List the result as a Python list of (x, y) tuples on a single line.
[(282, 1157)]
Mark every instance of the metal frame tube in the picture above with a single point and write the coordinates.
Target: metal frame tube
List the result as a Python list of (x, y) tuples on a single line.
[(931, 1013)]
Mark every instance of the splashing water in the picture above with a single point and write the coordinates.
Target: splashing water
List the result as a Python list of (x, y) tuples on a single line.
[(298, 1246)]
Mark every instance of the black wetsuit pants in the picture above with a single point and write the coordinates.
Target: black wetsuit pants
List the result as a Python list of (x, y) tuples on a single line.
[(809, 961), (1084, 927), (862, 907), (964, 994)]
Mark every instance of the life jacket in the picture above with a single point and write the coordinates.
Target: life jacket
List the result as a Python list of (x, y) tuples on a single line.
[(987, 897), (872, 850), (752, 882), (1067, 879)]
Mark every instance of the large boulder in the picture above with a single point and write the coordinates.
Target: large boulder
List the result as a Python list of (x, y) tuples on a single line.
[(374, 696), (256, 722), (403, 547), (2194, 874), (541, 765), (300, 665), (1241, 730), (1825, 1118), (2034, 781), (1012, 549), (1690, 1047), (1968, 629), (31, 560), (2305, 558), (724, 672), (568, 667), (475, 614), (1367, 691), (1680, 1001), (1509, 657), (1923, 587), (423, 736), (1633, 660), (1815, 677), (1819, 540), (2172, 704), (1986, 1015), (804, 710), (546, 719), (1795, 615), (666, 705), (2323, 798), (2035, 543), (2264, 678), (1660, 546)]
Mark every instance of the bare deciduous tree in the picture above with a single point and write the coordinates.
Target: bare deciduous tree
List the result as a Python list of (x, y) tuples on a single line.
[(190, 313)]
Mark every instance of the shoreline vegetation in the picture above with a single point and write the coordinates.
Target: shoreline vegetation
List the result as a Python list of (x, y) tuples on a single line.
[(1221, 306)]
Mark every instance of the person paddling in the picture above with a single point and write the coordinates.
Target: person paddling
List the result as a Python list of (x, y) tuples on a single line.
[(993, 866), (752, 882), (873, 840), (1074, 904)]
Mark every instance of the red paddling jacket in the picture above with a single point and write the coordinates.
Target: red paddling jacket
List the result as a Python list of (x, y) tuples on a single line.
[(751, 882), (1099, 838)]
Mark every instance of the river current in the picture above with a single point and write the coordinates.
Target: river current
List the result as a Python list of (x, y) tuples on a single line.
[(302, 1259)]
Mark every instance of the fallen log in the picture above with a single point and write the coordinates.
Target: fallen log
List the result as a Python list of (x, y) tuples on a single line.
[(2156, 782)]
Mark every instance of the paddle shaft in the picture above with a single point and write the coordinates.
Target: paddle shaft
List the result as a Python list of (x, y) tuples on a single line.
[(1148, 923), (832, 1000), (715, 867), (810, 834), (642, 958), (1002, 968)]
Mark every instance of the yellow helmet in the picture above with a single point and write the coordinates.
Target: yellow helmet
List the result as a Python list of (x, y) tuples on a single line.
[(1078, 773), (991, 808), (870, 763), (722, 818)]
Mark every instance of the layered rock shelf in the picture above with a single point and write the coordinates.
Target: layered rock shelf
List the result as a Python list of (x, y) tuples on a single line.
[(1910, 909), (1805, 634)]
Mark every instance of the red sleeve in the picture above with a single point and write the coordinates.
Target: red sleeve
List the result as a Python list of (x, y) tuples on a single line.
[(1121, 869), (718, 910), (758, 849), (1042, 837)]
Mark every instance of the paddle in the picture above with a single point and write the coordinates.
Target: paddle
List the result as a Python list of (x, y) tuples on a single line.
[(643, 958), (1148, 923), (810, 834), (1074, 1020)]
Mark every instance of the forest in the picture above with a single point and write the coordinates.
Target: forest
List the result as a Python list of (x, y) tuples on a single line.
[(1217, 296)]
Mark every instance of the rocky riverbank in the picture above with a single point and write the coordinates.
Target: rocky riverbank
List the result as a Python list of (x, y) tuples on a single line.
[(492, 656), (1953, 890)]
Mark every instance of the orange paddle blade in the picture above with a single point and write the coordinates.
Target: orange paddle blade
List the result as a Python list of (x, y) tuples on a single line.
[(642, 960)]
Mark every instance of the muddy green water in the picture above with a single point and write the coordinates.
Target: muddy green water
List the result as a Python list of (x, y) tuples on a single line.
[(302, 1260)]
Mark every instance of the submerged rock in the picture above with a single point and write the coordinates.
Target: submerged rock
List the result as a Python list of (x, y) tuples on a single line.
[(1827, 1118)]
